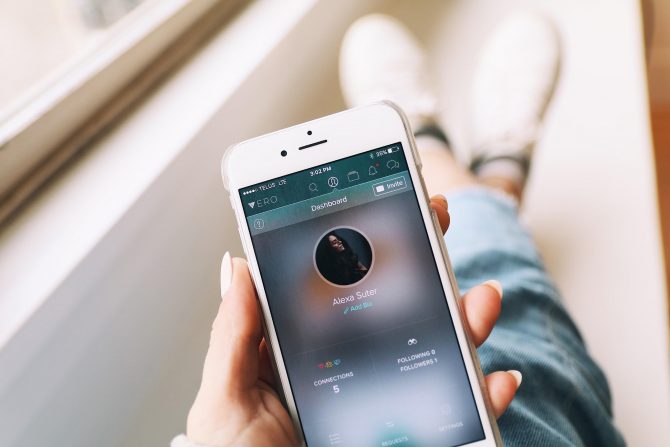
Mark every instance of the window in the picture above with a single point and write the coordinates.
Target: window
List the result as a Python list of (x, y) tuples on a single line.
[(71, 67), (43, 38)]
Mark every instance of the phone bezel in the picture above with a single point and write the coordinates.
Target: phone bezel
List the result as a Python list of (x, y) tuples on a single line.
[(347, 133)]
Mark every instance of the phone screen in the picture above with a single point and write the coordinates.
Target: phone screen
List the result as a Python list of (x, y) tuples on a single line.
[(358, 307)]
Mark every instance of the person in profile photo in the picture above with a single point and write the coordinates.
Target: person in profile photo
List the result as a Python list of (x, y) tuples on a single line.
[(338, 262)]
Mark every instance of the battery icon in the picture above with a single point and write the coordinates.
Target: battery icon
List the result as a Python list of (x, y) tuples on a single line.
[(393, 149)]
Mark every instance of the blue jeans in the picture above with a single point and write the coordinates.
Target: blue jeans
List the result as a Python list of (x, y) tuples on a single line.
[(564, 398)]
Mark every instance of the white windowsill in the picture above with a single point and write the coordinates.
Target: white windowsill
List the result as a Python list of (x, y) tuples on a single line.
[(109, 279), (58, 229)]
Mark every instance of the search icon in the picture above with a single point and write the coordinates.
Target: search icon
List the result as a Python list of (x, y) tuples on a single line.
[(312, 187)]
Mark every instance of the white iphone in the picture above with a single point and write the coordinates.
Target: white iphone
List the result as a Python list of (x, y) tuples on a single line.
[(360, 304)]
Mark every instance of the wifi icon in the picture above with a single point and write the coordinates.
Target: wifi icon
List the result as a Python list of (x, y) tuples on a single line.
[(251, 204)]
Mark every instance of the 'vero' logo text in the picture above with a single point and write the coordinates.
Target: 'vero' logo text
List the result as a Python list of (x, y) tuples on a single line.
[(260, 203)]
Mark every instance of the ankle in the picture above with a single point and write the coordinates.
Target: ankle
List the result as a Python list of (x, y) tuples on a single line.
[(441, 171), (507, 173)]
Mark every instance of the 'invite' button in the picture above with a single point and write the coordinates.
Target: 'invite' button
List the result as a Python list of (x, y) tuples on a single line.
[(391, 185)]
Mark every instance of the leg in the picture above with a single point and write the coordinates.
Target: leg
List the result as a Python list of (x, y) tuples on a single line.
[(564, 398), (440, 170)]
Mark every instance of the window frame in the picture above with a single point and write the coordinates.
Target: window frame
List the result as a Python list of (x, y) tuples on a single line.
[(65, 112)]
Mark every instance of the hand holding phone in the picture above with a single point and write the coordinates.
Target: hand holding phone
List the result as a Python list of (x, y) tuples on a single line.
[(359, 305), (255, 415)]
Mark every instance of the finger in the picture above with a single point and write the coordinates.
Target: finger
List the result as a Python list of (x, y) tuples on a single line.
[(265, 371), (482, 305), (441, 200), (502, 387), (441, 207), (231, 364)]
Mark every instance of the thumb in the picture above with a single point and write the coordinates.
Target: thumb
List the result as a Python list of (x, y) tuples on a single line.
[(440, 205), (231, 364)]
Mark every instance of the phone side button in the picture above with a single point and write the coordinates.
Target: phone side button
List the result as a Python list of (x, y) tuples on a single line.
[(244, 242), (417, 157)]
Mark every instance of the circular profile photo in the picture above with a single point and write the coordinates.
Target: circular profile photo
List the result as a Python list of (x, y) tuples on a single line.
[(343, 256)]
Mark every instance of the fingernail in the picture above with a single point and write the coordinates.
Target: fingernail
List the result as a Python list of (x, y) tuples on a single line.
[(517, 376), (226, 273), (441, 196), (496, 285)]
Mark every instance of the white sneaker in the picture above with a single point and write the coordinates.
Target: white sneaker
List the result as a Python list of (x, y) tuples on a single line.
[(380, 59), (512, 87)]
